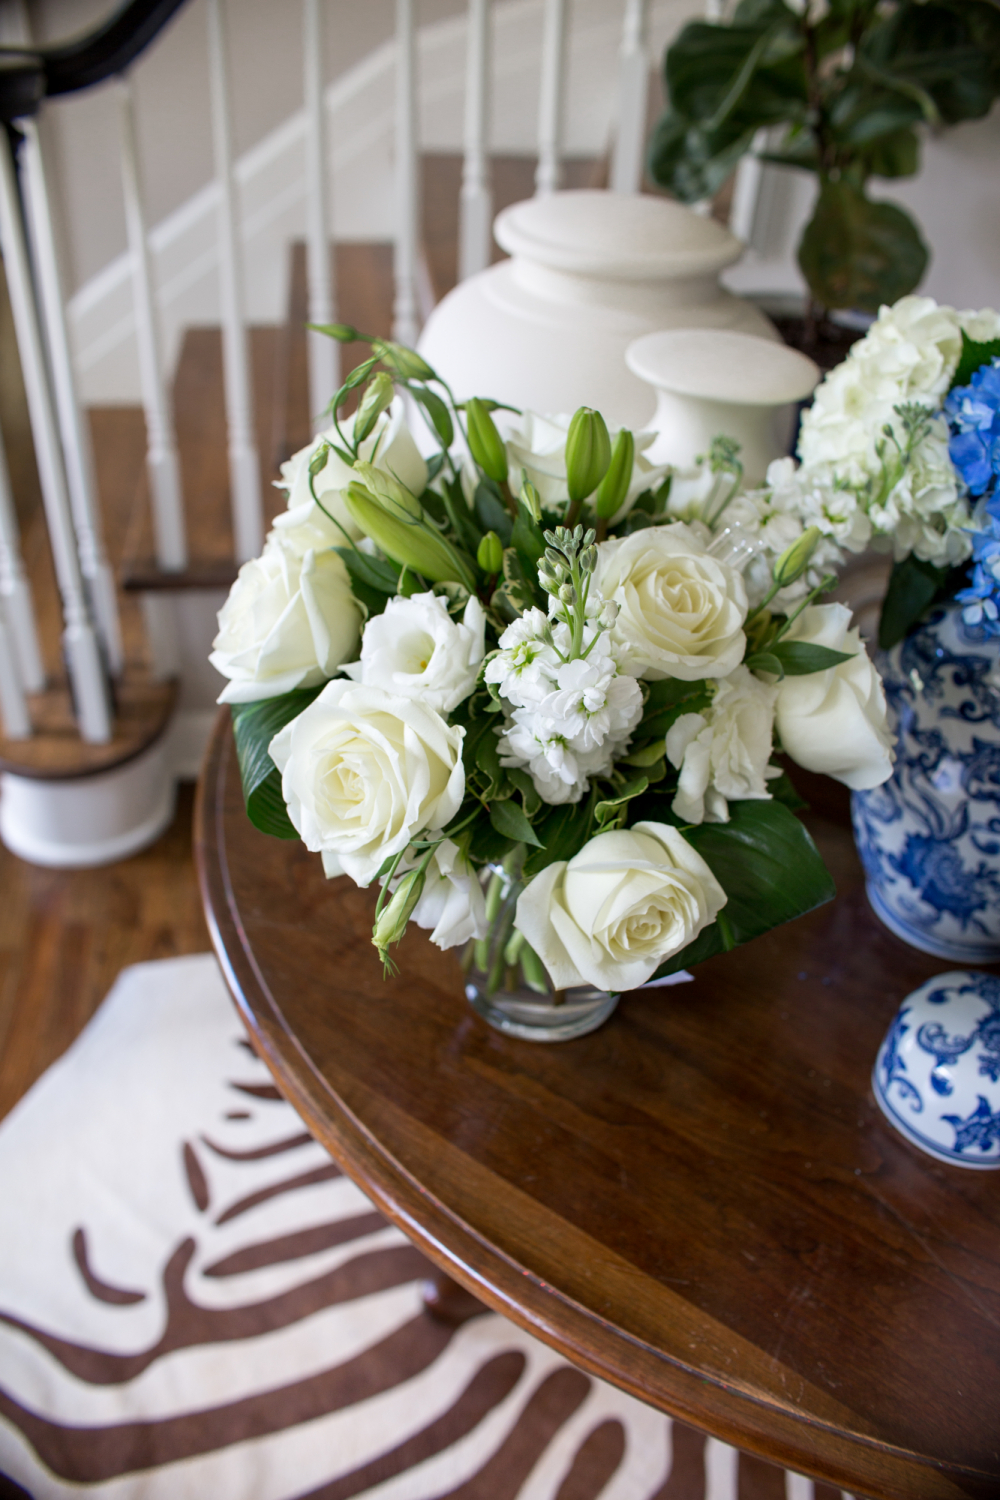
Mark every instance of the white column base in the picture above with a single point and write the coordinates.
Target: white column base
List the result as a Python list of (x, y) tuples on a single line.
[(89, 820)]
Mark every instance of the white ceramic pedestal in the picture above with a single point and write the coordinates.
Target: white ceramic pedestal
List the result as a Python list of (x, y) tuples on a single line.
[(712, 382), (590, 272), (88, 820)]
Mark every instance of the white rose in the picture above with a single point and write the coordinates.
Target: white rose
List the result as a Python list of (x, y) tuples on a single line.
[(680, 611), (537, 445), (389, 446), (364, 771), (452, 904), (288, 623), (835, 721), (415, 648), (723, 753), (629, 900)]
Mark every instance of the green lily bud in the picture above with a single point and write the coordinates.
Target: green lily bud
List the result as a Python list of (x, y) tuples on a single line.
[(373, 403), (588, 453), (405, 362), (392, 919), (490, 554), (613, 487), (342, 332), (485, 444), (795, 559), (530, 498), (318, 461), (407, 539), (387, 489)]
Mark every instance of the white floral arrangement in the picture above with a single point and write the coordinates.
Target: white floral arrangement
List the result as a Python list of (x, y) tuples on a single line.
[(897, 452), (538, 660)]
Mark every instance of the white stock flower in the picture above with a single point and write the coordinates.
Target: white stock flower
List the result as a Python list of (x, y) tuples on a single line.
[(452, 905), (617, 910), (388, 446), (567, 720), (680, 611), (415, 648), (723, 752), (364, 771), (537, 445), (834, 721), (289, 622)]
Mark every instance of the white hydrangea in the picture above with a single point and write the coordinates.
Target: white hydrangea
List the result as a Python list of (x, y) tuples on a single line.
[(567, 719)]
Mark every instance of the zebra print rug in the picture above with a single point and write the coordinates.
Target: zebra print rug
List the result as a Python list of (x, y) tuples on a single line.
[(195, 1304)]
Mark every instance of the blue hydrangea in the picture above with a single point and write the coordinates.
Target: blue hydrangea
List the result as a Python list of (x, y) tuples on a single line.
[(973, 413)]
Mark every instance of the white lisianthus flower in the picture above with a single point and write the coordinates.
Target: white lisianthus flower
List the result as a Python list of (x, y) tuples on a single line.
[(388, 446), (723, 752), (452, 905), (617, 910), (363, 772), (680, 610), (537, 445), (415, 648), (289, 622), (834, 721)]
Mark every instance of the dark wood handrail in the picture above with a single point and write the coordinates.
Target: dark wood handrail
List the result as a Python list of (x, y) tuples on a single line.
[(30, 74)]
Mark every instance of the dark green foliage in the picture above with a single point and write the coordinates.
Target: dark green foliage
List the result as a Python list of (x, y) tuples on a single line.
[(913, 587), (851, 88), (973, 356), (254, 727)]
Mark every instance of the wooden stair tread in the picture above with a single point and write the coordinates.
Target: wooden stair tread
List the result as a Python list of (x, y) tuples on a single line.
[(56, 751)]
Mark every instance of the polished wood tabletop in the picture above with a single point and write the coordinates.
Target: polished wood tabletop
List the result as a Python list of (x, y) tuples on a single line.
[(699, 1202)]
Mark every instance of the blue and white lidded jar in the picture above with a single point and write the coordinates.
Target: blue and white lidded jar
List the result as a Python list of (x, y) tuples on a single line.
[(937, 1074), (929, 838)]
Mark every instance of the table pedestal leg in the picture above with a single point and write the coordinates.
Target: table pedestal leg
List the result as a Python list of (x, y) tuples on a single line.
[(446, 1301)]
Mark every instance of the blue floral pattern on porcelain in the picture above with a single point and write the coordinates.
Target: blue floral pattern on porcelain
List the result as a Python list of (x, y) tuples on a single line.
[(937, 1074), (929, 838)]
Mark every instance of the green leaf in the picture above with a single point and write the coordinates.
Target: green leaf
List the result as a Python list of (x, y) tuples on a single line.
[(491, 512), (913, 586), (527, 540), (563, 833), (858, 254), (770, 869), (782, 789), (666, 702), (373, 580), (974, 356), (509, 819), (631, 789), (254, 727), (895, 155), (487, 753), (765, 661), (799, 658), (437, 411)]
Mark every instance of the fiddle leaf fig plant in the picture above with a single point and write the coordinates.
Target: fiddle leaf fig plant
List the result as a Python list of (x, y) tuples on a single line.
[(849, 84)]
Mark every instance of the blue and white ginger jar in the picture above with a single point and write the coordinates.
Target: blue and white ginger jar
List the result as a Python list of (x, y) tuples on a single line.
[(937, 1074), (929, 838)]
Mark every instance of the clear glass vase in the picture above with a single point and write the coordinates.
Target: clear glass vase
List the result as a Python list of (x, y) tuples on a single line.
[(507, 983)]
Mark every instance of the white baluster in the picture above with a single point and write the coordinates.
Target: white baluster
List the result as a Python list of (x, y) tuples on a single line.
[(550, 101), (13, 704), (82, 653), (633, 99), (746, 189), (15, 590), (73, 426), (162, 461), (404, 311), (715, 10), (324, 353), (476, 202), (244, 464)]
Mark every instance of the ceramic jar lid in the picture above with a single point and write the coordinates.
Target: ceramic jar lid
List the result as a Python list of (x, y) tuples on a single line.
[(937, 1074), (714, 364), (621, 236)]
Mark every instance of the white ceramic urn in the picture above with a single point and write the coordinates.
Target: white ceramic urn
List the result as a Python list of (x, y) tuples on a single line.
[(590, 271), (717, 382)]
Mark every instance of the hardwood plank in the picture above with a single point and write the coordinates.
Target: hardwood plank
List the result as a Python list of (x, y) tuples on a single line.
[(65, 936)]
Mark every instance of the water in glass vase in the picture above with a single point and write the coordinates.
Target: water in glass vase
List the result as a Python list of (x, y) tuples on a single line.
[(506, 981)]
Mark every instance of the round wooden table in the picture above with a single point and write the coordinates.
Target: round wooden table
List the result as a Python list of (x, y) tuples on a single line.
[(700, 1202)]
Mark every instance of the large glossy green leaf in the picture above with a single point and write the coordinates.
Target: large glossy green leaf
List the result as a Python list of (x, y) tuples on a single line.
[(770, 869), (691, 162), (947, 50), (913, 586), (858, 254), (254, 727), (895, 155), (509, 819)]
